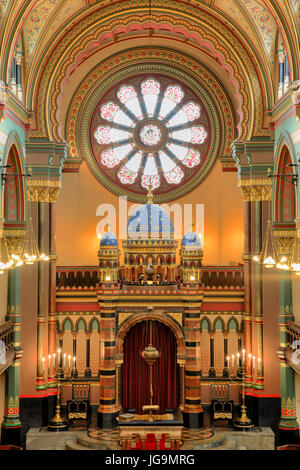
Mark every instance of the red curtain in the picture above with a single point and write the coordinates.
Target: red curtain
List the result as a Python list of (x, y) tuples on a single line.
[(135, 370)]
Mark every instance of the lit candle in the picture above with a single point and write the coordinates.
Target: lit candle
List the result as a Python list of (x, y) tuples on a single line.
[(49, 359), (69, 359), (65, 356), (258, 365), (59, 351), (74, 362), (244, 353), (54, 356), (228, 358), (249, 357), (232, 357)]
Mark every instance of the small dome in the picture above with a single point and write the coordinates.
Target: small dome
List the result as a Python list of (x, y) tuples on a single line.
[(191, 239), (150, 220), (109, 239)]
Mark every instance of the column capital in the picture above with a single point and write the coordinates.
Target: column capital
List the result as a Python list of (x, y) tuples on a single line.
[(256, 189), (43, 190), (285, 241)]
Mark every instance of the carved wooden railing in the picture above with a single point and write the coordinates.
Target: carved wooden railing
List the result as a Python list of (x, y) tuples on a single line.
[(213, 277), (292, 352), (77, 277), (7, 350), (223, 277)]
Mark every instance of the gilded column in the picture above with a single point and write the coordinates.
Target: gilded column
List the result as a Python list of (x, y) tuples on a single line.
[(41, 317), (11, 425), (52, 290), (258, 294), (254, 191), (288, 425)]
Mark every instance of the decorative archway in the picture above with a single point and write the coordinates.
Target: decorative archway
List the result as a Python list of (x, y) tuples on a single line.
[(136, 372), (179, 351)]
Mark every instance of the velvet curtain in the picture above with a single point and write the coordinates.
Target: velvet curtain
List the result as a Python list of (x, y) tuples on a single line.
[(135, 370)]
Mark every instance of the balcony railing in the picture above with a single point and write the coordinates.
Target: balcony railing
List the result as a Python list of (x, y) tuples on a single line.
[(292, 352), (7, 350), (213, 277)]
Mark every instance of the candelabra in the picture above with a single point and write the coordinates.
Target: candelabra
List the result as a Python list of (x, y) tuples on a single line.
[(243, 422), (60, 370)]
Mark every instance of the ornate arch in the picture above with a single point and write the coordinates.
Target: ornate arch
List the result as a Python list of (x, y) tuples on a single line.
[(206, 319), (285, 196), (236, 324), (206, 38), (14, 195), (168, 321), (221, 320), (67, 319)]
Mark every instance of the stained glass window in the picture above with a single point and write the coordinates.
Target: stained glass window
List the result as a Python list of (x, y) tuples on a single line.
[(151, 131)]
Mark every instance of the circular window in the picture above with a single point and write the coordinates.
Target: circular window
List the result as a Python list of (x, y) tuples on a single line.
[(150, 130)]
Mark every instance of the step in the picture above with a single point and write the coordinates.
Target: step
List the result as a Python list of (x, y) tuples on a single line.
[(228, 445), (72, 444), (210, 443), (91, 443)]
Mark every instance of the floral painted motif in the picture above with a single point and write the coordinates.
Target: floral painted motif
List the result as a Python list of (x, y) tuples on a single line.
[(109, 110), (102, 135), (264, 22), (150, 179), (174, 93), (174, 176), (192, 158), (150, 87), (127, 176), (192, 111), (36, 21), (126, 94), (198, 135), (109, 158)]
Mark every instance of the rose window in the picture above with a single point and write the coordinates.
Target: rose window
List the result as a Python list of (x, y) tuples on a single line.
[(150, 131)]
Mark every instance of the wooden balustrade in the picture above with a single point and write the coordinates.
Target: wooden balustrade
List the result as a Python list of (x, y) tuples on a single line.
[(292, 352), (7, 351), (212, 277)]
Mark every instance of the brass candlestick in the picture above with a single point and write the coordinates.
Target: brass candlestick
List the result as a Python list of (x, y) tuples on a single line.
[(58, 422), (243, 423)]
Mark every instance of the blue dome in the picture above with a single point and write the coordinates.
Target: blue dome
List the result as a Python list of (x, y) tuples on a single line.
[(150, 221), (109, 239), (191, 239)]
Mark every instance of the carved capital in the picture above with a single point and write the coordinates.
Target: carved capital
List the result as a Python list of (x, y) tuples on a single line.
[(259, 189), (43, 190), (285, 241), (14, 240)]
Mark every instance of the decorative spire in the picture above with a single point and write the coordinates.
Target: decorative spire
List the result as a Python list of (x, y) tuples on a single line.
[(150, 195)]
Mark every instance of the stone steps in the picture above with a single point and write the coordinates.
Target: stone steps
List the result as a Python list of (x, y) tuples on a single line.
[(72, 444), (210, 443), (84, 442)]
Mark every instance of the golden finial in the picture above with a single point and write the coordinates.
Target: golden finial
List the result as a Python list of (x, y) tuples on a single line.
[(150, 195)]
